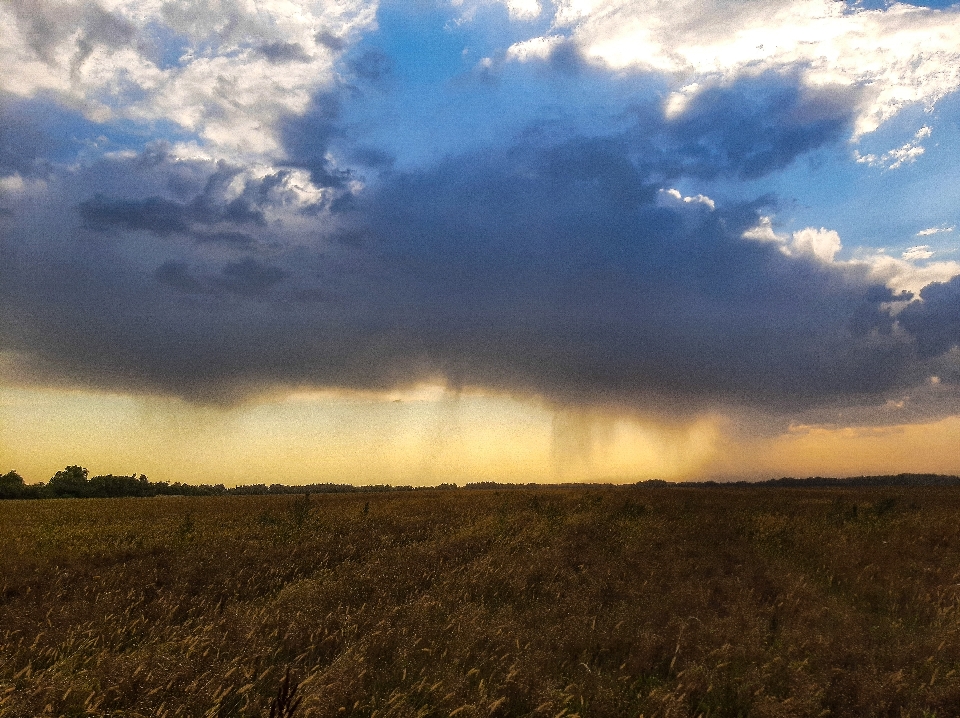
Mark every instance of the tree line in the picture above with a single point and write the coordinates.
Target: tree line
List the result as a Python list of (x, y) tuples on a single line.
[(75, 482)]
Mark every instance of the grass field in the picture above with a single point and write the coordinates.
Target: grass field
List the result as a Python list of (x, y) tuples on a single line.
[(612, 602)]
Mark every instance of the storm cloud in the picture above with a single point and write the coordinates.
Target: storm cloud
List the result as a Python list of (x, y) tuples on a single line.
[(553, 271), (755, 126), (936, 320)]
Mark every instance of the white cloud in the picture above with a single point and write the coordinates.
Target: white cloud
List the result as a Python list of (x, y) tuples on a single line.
[(821, 243), (921, 251), (524, 9), (904, 275), (934, 230), (672, 197), (539, 48), (208, 66), (677, 101), (16, 186), (899, 274), (895, 57), (893, 159), (764, 232)]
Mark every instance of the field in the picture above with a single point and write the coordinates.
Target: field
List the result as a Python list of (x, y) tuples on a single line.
[(607, 602)]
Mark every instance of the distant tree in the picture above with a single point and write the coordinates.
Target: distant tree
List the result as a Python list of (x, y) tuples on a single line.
[(110, 486), (71, 482), (251, 490), (12, 486), (179, 489), (160, 488)]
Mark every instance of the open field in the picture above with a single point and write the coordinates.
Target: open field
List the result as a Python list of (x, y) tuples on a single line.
[(613, 602)]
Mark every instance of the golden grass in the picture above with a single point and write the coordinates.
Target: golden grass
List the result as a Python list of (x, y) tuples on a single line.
[(614, 602)]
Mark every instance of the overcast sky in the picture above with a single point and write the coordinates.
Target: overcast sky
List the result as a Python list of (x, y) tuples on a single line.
[(723, 218)]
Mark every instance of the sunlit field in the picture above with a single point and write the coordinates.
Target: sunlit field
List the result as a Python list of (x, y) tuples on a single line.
[(606, 602)]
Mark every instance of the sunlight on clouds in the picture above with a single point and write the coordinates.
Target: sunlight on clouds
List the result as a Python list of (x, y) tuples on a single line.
[(677, 102), (896, 57), (763, 231), (921, 251), (909, 273), (822, 243), (634, 43), (905, 274), (221, 81), (538, 48), (673, 197), (425, 391)]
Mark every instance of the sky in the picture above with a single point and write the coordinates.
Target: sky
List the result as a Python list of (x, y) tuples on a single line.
[(430, 241)]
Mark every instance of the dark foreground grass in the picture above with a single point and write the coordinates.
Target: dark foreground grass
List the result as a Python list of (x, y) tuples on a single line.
[(617, 602)]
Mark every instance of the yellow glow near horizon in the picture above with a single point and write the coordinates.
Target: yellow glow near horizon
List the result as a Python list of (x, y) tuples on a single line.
[(425, 436), (932, 447)]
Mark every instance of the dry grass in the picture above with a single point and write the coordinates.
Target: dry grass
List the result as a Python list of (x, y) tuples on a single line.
[(660, 602)]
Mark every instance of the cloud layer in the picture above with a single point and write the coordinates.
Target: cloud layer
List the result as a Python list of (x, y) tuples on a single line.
[(216, 204)]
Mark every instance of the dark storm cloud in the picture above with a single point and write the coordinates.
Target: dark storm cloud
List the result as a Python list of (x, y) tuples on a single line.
[(156, 214), (936, 320), (178, 276), (754, 127), (741, 130), (556, 273), (237, 239), (548, 271), (281, 52), (247, 277), (552, 268), (164, 216), (36, 133), (213, 204), (307, 139)]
